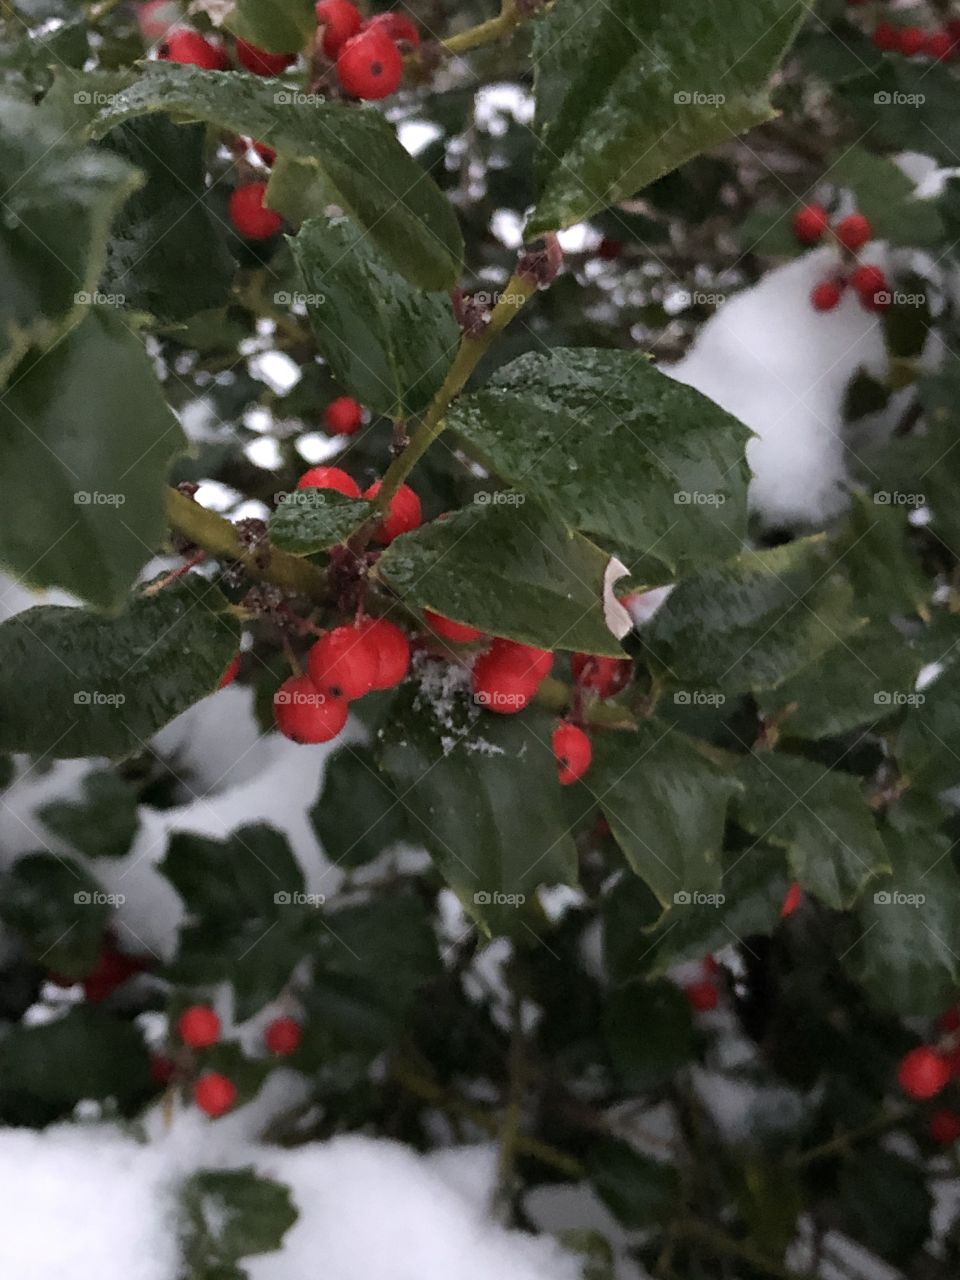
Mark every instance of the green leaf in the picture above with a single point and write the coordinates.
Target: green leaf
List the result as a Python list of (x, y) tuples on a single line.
[(311, 520), (884, 1202), (56, 907), (328, 153), (629, 90), (387, 343), (248, 917), (649, 1033), (666, 804), (885, 195), (277, 26), (167, 253), (227, 1214), (905, 105), (88, 1053), (822, 819), (511, 569), (75, 683), (482, 791), (53, 237), (618, 449), (103, 824), (909, 924), (636, 1189), (751, 623), (357, 815), (928, 744), (90, 419)]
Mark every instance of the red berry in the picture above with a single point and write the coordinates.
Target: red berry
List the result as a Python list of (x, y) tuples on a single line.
[(260, 62), (573, 752), (609, 250), (199, 1026), (886, 37), (393, 651), (910, 41), (945, 1126), (397, 26), (161, 1069), (537, 662), (949, 1020), (604, 676), (938, 45), (369, 65), (344, 662), (329, 478), (458, 632), (923, 1072), (214, 1093), (193, 48), (248, 215), (404, 515), (305, 713), (871, 286), (343, 416), (810, 223), (791, 901), (266, 154), (853, 231), (340, 20), (230, 674), (504, 679), (283, 1036), (112, 969), (703, 996), (826, 295)]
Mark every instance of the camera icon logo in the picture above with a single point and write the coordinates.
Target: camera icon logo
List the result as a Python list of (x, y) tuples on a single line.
[(82, 898), (282, 898), (882, 98), (882, 498), (82, 98), (283, 299), (882, 698), (682, 898), (882, 898), (683, 98), (283, 98), (682, 698), (82, 698), (482, 898)]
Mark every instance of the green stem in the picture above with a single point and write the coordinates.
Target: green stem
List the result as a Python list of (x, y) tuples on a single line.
[(845, 1142), (218, 537), (514, 297), (485, 32)]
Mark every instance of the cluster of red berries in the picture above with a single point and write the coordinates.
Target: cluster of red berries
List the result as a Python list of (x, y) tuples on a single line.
[(810, 225), (913, 42), (199, 1028), (403, 515), (925, 1072), (367, 53)]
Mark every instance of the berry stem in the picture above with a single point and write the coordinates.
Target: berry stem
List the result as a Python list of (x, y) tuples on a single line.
[(487, 32)]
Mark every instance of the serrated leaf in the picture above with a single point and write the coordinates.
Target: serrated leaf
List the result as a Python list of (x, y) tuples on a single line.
[(619, 450), (312, 520), (357, 814), (53, 237), (103, 824), (277, 26), (629, 90), (328, 153), (483, 795), (90, 419), (167, 254), (751, 623), (76, 683), (509, 568), (227, 1214), (52, 903), (666, 805), (820, 816), (387, 343)]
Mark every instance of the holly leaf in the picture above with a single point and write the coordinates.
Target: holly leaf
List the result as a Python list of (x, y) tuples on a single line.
[(76, 683), (277, 26), (90, 418), (751, 623), (311, 520), (635, 1188), (617, 449), (387, 343), (54, 232), (55, 906), (885, 195), (103, 824), (820, 817), (357, 814), (509, 568), (228, 1214), (629, 90), (649, 1033), (483, 796), (328, 153), (666, 804)]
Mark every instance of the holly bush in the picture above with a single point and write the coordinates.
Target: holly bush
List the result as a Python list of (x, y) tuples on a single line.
[(333, 351)]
